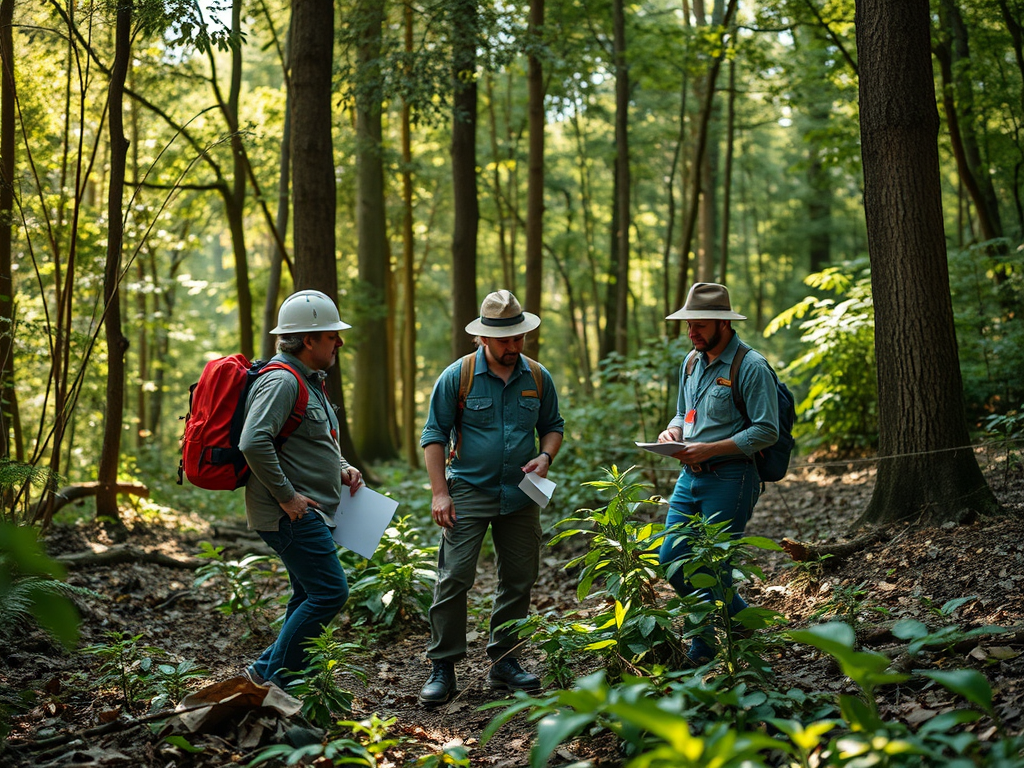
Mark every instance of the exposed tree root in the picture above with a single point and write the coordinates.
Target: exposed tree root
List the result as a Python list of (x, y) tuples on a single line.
[(803, 551), (123, 555)]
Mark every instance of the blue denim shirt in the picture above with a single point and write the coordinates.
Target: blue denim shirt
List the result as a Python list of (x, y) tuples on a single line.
[(708, 391), (500, 426)]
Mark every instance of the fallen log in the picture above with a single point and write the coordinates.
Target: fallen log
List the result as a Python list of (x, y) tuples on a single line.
[(124, 555), (72, 493), (802, 551)]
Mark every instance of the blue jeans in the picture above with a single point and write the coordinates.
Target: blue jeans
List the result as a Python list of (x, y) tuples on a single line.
[(727, 493), (319, 590)]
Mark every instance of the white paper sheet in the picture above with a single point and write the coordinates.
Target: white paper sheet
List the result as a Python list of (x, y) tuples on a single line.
[(537, 488), (665, 449), (362, 519)]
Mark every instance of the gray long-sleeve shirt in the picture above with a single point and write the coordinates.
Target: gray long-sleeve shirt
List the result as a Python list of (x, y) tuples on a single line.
[(309, 462)]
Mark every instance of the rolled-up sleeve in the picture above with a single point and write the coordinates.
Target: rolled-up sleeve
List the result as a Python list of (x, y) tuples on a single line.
[(443, 405)]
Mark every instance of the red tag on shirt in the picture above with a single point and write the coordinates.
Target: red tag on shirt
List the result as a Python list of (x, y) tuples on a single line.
[(688, 422)]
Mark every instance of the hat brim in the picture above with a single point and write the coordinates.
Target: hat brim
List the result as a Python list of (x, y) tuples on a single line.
[(341, 325), (705, 314), (529, 323)]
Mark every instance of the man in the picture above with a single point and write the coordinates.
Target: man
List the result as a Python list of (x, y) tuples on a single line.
[(719, 481), (295, 487), (507, 402)]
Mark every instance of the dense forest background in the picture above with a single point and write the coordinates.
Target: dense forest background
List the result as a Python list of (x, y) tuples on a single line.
[(616, 153)]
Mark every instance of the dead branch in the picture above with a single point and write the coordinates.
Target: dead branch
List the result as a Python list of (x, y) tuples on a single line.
[(803, 551), (124, 555), (72, 493)]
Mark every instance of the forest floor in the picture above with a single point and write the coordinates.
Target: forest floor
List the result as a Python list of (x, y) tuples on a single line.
[(898, 576)]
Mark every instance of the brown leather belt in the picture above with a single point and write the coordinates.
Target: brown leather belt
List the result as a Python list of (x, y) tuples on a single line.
[(708, 466)]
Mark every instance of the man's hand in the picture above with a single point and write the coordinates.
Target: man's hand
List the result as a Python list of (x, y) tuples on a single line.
[(696, 453), (442, 509), (353, 478), (540, 465), (671, 435), (297, 506)]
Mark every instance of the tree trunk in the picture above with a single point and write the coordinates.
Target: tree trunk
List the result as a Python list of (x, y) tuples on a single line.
[(8, 129), (465, 36), (117, 344), (409, 441), (373, 396), (313, 172), (730, 145), (270, 305), (927, 467), (953, 53), (535, 162), (623, 187)]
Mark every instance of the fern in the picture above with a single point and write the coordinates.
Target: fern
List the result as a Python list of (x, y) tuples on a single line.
[(22, 594)]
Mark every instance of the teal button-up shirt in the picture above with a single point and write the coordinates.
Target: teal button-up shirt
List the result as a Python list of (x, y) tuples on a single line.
[(500, 426), (708, 391)]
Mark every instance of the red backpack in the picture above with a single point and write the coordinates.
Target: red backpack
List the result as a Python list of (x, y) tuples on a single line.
[(210, 457)]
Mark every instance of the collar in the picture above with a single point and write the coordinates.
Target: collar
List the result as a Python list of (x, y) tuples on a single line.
[(304, 370), (481, 363)]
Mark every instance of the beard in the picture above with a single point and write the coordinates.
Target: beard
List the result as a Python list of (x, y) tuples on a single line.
[(509, 359)]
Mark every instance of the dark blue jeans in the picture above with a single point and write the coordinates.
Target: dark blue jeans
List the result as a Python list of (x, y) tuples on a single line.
[(319, 590), (725, 494)]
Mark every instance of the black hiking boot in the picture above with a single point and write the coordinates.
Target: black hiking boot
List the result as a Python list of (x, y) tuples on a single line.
[(441, 685), (507, 675)]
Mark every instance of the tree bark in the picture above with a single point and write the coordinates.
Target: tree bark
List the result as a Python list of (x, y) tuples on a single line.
[(619, 330), (313, 172), (373, 397), (8, 129), (464, 26), (409, 441), (117, 344), (535, 163), (927, 468)]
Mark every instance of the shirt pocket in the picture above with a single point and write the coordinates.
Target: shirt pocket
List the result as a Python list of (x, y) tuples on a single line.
[(529, 410), (720, 407), (315, 423), (479, 412)]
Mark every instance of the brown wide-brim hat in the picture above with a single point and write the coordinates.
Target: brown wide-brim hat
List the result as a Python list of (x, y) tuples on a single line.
[(501, 316), (707, 301)]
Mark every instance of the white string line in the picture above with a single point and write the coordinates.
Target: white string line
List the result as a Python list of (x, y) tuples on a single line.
[(875, 459)]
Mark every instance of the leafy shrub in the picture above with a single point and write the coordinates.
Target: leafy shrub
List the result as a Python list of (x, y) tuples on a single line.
[(839, 410), (320, 694), (243, 586), (126, 665), (398, 583)]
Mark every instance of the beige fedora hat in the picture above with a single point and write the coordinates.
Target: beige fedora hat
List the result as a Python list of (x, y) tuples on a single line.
[(501, 317), (707, 301)]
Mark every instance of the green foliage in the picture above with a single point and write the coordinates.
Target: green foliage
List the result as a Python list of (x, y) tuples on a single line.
[(839, 410), (321, 696), (30, 586), (1008, 428), (244, 587), (398, 583), (620, 565), (16, 477), (126, 665), (450, 754), (921, 636), (846, 602), (170, 682), (987, 285)]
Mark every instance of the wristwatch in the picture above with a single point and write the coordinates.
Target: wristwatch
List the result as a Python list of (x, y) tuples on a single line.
[(551, 459)]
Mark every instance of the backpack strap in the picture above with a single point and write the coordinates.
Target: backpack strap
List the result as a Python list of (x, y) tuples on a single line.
[(734, 379), (467, 370), (538, 376), (301, 401)]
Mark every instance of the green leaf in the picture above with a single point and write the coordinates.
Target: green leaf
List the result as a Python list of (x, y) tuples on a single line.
[(761, 542), (553, 730), (182, 743), (703, 581), (949, 720), (968, 683)]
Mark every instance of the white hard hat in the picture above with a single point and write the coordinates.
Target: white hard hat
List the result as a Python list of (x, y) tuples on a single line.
[(307, 312)]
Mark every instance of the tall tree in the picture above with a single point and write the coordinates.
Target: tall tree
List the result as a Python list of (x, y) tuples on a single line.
[(535, 163), (8, 126), (374, 397), (926, 465), (117, 344), (313, 185), (408, 345), (464, 25)]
